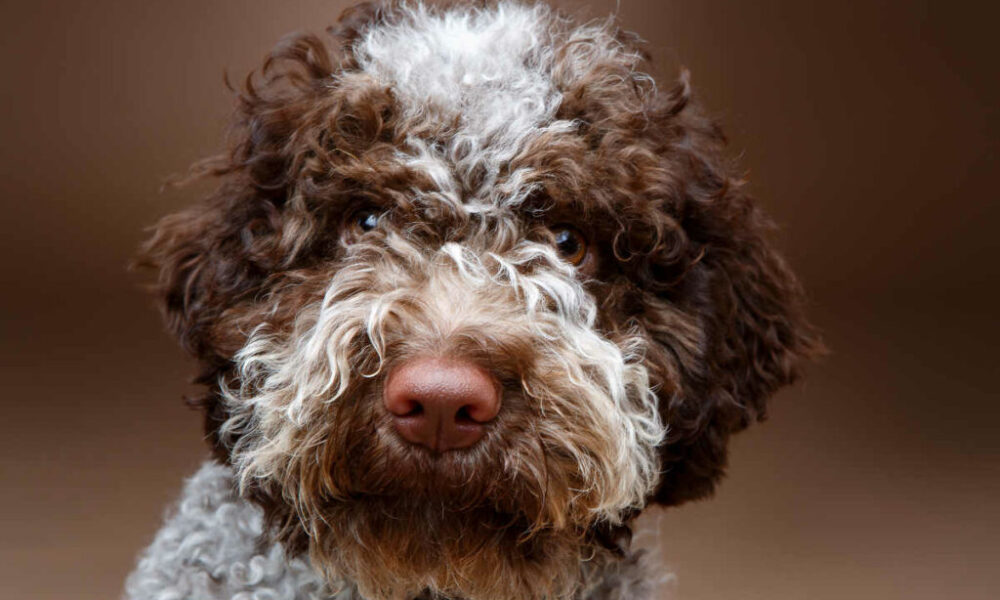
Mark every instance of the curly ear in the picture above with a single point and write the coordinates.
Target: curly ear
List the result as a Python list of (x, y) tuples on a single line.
[(215, 259), (209, 257), (747, 303), (218, 253)]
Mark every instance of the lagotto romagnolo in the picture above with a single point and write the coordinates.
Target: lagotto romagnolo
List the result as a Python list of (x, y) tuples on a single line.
[(472, 293)]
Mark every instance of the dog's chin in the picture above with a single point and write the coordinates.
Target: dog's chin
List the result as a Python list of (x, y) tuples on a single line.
[(503, 520), (434, 527), (394, 547)]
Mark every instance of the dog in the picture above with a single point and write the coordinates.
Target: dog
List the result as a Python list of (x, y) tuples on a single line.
[(472, 293)]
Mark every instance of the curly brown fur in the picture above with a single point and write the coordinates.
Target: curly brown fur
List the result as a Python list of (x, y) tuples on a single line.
[(704, 316)]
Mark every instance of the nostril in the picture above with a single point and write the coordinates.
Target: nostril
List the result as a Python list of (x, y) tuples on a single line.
[(415, 409), (480, 410), (400, 406), (463, 417)]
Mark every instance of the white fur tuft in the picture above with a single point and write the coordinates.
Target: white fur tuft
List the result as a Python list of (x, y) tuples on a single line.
[(489, 80)]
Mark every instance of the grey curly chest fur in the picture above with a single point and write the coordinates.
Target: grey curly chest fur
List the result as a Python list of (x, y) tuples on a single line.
[(210, 548)]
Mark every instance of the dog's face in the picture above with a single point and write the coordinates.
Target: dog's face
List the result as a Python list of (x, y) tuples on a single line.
[(471, 294)]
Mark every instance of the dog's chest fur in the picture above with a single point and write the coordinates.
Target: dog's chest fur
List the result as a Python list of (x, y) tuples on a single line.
[(210, 549)]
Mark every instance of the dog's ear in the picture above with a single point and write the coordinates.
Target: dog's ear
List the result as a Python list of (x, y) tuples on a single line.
[(723, 274), (217, 254), (209, 258)]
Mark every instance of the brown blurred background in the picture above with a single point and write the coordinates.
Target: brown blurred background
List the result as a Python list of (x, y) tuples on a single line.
[(869, 130)]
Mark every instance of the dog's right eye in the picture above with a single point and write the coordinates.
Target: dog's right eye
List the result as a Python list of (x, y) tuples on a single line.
[(358, 223), (365, 220)]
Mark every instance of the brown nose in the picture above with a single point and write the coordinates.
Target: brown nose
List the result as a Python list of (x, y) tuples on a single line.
[(442, 404)]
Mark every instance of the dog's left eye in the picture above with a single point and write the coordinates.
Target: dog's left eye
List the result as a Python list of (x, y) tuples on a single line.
[(570, 243)]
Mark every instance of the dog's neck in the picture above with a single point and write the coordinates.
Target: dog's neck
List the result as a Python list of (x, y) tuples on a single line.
[(228, 559)]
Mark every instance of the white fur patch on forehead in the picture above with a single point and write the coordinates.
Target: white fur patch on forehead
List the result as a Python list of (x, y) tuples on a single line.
[(491, 67), (484, 75)]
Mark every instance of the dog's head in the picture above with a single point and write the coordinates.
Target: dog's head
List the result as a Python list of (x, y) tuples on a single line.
[(471, 294)]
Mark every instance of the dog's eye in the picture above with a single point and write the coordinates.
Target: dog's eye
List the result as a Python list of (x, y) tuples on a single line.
[(359, 222), (570, 243), (364, 220)]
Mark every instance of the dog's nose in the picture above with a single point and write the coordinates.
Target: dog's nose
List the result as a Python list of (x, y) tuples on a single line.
[(442, 404)]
